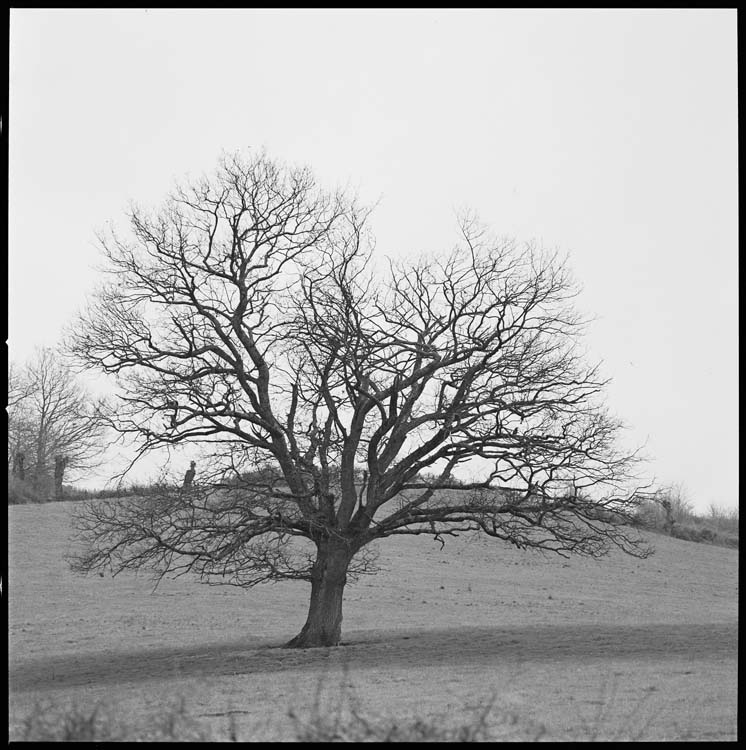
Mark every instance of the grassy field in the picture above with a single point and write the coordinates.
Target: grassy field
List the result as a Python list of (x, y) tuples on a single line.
[(555, 649)]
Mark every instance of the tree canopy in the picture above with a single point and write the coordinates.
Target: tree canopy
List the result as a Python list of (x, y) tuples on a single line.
[(342, 398)]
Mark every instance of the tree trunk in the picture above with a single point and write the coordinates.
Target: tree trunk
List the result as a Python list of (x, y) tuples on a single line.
[(324, 622), (59, 473)]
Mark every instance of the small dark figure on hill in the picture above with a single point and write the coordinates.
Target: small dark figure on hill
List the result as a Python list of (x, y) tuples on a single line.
[(189, 476)]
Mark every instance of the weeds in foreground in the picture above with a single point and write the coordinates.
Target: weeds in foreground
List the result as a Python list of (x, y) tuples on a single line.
[(341, 718), (50, 722), (601, 727), (345, 723)]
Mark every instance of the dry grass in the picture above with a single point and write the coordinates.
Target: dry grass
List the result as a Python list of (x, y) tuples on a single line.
[(427, 641)]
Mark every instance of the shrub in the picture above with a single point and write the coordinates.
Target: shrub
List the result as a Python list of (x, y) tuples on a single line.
[(50, 722), (668, 512), (356, 728), (21, 492), (724, 519)]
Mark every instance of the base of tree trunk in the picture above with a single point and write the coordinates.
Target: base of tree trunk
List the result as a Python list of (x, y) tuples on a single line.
[(312, 640), (323, 626)]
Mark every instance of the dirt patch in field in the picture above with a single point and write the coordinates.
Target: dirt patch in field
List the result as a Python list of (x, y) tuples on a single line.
[(565, 649)]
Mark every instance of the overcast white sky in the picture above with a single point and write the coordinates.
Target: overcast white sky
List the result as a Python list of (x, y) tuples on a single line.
[(610, 135)]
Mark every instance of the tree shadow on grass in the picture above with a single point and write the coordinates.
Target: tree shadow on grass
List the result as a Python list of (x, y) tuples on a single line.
[(380, 648)]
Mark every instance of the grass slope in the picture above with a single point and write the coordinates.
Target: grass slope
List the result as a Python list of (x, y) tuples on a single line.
[(565, 649)]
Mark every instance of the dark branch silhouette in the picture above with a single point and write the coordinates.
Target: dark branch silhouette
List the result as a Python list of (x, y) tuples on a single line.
[(342, 401)]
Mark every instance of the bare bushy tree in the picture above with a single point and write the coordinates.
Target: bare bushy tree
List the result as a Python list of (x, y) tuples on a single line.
[(337, 398), (54, 424), (19, 428), (666, 507)]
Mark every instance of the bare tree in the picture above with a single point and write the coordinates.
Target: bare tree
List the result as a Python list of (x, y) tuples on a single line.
[(19, 432), (53, 422), (338, 398), (670, 501)]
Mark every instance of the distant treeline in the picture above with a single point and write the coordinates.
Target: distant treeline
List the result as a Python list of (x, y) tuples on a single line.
[(668, 512)]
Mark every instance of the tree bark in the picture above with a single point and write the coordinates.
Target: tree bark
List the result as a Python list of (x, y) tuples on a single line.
[(324, 622), (59, 472)]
